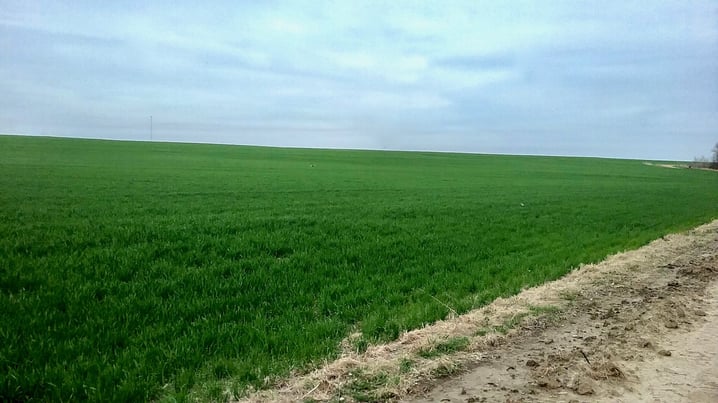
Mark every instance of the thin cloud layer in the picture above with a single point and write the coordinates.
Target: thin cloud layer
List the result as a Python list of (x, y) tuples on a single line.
[(620, 79)]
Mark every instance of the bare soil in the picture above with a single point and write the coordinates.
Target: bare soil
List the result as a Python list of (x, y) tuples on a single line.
[(640, 326), (705, 167)]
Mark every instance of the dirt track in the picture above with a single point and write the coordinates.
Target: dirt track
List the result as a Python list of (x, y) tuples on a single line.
[(639, 326), (645, 332)]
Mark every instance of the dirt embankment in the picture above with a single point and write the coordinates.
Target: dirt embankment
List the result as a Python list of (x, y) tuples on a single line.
[(639, 326)]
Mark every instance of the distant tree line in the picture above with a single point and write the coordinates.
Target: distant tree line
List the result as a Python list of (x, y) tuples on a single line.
[(703, 162)]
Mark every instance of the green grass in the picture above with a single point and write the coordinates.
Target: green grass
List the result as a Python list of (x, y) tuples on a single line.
[(445, 347), (138, 271), (363, 387)]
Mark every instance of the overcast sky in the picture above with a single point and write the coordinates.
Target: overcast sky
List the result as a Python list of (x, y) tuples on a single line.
[(599, 78)]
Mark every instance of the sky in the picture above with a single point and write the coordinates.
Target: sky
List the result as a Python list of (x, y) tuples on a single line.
[(587, 78)]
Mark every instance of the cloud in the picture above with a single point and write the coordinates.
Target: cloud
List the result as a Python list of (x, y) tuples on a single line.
[(472, 62), (557, 78), (388, 101), (400, 68)]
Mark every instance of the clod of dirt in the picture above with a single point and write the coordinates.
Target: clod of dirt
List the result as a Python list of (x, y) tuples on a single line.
[(700, 313), (606, 369), (645, 344), (671, 324), (532, 363), (584, 387), (665, 353), (608, 314), (549, 383)]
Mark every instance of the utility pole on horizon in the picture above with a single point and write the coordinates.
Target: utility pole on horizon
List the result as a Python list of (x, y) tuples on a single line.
[(150, 127)]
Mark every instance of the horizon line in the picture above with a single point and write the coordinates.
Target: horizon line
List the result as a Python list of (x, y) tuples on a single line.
[(337, 148)]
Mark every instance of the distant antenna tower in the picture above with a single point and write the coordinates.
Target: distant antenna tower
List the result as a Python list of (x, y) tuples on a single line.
[(150, 127)]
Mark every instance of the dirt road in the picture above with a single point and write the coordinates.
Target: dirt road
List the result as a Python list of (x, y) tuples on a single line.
[(646, 332), (639, 326), (691, 372)]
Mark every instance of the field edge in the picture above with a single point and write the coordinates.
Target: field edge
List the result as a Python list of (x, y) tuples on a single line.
[(414, 362)]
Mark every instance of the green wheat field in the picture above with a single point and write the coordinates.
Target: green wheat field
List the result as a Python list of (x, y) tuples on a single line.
[(133, 271)]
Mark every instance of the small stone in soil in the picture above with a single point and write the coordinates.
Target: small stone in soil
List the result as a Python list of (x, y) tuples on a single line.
[(584, 388), (671, 324), (549, 383), (665, 353), (532, 364)]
